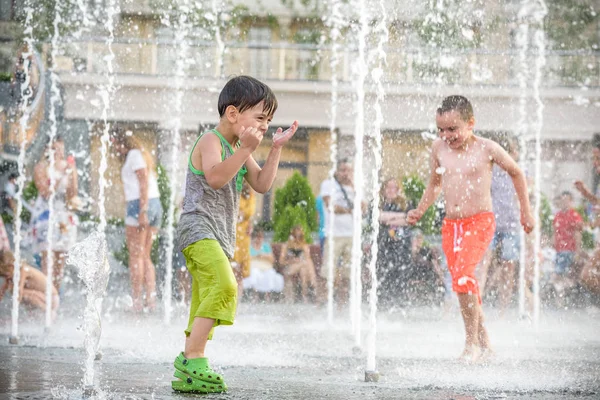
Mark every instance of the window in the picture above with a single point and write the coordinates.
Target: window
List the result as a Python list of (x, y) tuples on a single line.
[(259, 39)]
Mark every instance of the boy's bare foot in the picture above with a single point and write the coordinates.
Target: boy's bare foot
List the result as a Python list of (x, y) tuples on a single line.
[(487, 355), (470, 354)]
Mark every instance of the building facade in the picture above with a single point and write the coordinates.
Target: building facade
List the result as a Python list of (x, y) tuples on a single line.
[(287, 45)]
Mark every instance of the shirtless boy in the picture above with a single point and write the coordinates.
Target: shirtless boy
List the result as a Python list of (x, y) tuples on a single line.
[(461, 167)]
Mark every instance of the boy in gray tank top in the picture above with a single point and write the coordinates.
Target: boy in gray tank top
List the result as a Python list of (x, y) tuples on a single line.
[(218, 163)]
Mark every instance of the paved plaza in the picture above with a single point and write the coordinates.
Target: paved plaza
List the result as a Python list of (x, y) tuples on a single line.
[(275, 351)]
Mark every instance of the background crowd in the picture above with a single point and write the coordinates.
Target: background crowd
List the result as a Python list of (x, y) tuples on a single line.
[(410, 264)]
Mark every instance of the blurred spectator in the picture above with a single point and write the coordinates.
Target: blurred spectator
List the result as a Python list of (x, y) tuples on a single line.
[(506, 246), (32, 284), (64, 229), (568, 225), (143, 215), (263, 278), (394, 243), (424, 278), (4, 242), (339, 191), (296, 259)]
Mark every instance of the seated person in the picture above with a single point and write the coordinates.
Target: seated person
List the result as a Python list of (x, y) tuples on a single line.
[(263, 277), (425, 279), (295, 256), (32, 284)]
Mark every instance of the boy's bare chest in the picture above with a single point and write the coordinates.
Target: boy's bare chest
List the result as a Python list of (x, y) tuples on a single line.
[(464, 165)]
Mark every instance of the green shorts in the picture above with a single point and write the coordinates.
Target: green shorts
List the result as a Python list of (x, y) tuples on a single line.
[(214, 288)]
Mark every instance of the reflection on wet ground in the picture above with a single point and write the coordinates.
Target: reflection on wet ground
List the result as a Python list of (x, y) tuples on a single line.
[(289, 352)]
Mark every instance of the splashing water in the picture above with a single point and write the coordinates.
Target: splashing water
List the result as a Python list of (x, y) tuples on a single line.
[(361, 70), (24, 112), (522, 40), (334, 22), (90, 258), (182, 30), (376, 74), (220, 50), (52, 133), (106, 93), (540, 62)]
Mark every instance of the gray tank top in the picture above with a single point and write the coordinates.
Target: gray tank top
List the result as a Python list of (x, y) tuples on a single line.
[(208, 213)]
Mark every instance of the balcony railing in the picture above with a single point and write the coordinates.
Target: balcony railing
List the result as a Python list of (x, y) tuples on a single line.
[(296, 62)]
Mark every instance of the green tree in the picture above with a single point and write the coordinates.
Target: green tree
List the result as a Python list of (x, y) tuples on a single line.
[(573, 24), (44, 16), (294, 204)]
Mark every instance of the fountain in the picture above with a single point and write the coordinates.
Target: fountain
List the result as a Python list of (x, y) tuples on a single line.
[(334, 22), (379, 60), (23, 115), (361, 71), (106, 93), (540, 61), (182, 26), (415, 351), (522, 41), (90, 257), (52, 133)]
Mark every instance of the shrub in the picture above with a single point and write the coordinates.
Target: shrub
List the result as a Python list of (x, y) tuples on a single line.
[(413, 188), (294, 205)]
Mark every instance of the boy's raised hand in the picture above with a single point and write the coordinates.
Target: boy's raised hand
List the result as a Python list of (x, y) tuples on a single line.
[(281, 137), (250, 138)]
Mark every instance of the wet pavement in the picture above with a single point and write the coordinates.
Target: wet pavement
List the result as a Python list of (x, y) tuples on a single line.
[(289, 352)]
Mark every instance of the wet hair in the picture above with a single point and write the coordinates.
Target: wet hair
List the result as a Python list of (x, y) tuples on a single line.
[(459, 104), (244, 92), (13, 175)]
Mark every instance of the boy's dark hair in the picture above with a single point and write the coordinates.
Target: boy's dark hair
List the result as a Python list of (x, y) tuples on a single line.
[(567, 193), (244, 92), (13, 175), (459, 104)]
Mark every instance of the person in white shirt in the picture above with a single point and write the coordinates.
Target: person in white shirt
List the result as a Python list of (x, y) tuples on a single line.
[(340, 191), (143, 215), (64, 190)]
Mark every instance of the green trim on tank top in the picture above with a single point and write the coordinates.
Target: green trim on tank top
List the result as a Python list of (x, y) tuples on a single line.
[(240, 175)]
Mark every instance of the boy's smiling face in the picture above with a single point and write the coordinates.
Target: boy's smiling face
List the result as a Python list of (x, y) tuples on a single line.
[(255, 117), (453, 129)]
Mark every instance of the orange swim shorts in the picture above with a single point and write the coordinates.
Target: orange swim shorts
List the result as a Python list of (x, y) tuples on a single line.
[(465, 242)]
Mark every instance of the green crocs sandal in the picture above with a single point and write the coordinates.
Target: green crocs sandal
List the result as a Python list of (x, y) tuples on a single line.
[(197, 368), (187, 384)]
